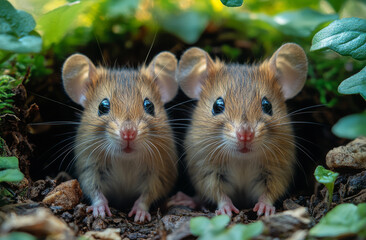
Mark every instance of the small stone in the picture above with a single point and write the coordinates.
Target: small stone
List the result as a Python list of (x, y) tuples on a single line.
[(108, 234), (99, 224), (67, 195), (289, 204), (66, 216), (351, 156), (42, 223)]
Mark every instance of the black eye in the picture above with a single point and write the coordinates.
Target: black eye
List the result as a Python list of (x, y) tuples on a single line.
[(149, 107), (267, 106), (218, 107), (104, 107)]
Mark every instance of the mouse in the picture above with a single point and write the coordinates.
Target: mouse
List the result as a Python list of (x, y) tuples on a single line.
[(125, 153), (240, 145)]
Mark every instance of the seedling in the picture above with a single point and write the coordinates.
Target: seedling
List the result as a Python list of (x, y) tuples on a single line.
[(9, 170), (327, 178), (215, 229), (345, 220)]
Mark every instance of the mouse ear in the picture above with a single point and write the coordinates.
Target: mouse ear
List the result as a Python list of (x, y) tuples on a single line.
[(193, 69), (291, 66), (76, 73), (163, 68)]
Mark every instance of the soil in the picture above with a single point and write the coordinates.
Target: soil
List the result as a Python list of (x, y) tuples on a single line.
[(44, 171)]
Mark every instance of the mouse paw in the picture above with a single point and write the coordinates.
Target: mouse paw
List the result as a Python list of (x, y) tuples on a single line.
[(265, 208), (181, 199), (226, 207), (99, 207), (140, 211)]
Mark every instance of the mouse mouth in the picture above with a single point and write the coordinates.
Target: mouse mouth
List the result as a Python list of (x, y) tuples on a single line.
[(127, 148), (245, 149)]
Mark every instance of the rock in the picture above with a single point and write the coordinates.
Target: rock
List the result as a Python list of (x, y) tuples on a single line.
[(289, 204), (181, 233), (173, 222), (42, 224), (108, 234), (351, 156), (41, 188), (67, 195), (286, 224)]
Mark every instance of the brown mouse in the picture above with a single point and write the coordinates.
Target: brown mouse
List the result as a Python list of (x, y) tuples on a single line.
[(240, 146), (124, 146)]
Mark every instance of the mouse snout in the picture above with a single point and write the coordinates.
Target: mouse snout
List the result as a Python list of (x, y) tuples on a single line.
[(128, 131), (245, 134)]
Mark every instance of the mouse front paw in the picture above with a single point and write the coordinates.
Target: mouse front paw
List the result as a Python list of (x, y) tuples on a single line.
[(99, 207), (264, 207), (226, 207), (140, 211), (99, 210)]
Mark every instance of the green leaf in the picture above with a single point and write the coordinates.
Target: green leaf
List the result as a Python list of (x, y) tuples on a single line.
[(11, 175), (198, 225), (351, 126), (354, 84), (336, 4), (301, 23), (219, 223), (346, 36), (16, 21), (343, 220), (27, 44), (325, 176), (232, 3), (18, 235), (187, 25), (246, 232), (9, 162), (55, 24)]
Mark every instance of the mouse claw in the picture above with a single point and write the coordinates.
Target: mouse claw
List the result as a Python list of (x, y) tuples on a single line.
[(226, 207), (264, 208), (181, 199), (99, 210), (140, 212)]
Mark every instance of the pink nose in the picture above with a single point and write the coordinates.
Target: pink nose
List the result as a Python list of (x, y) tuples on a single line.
[(128, 133), (245, 134)]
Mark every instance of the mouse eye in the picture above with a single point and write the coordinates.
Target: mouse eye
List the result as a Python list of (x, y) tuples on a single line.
[(104, 107), (218, 107), (267, 106), (149, 107)]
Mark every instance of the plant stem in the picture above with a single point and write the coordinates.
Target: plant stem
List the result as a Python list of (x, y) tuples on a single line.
[(6, 56)]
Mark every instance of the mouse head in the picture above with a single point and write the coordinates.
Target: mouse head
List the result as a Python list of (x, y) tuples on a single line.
[(239, 106), (123, 108)]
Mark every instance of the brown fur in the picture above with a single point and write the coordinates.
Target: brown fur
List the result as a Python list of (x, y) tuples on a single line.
[(213, 162), (151, 170)]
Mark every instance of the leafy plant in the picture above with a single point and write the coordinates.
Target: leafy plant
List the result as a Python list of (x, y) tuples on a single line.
[(17, 236), (7, 83), (232, 3), (347, 37), (16, 32), (327, 178), (215, 228), (345, 220), (9, 170)]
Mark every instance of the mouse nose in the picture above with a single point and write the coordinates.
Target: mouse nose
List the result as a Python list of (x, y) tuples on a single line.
[(128, 132), (245, 134)]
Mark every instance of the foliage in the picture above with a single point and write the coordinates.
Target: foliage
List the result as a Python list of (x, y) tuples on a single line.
[(347, 37), (345, 220), (351, 126), (327, 178), (215, 228), (354, 84), (9, 170), (7, 83), (16, 31), (232, 3), (17, 236)]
